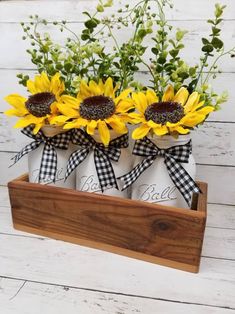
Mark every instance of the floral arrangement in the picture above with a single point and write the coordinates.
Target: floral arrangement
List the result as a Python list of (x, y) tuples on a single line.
[(90, 84)]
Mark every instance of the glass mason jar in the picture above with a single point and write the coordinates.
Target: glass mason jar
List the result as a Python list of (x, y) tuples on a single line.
[(154, 185), (86, 175), (35, 157)]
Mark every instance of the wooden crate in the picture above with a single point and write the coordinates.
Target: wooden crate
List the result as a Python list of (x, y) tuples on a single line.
[(155, 233)]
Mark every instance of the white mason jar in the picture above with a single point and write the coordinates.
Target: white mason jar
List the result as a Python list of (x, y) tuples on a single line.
[(154, 185), (86, 175), (35, 157)]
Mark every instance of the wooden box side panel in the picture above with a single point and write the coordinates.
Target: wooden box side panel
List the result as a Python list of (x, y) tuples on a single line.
[(146, 231)]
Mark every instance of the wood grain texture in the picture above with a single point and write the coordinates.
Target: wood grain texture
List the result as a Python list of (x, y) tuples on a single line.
[(18, 296), (12, 34), (165, 235), (183, 9), (56, 262)]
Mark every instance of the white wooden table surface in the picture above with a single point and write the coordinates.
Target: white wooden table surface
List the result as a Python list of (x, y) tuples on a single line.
[(41, 275)]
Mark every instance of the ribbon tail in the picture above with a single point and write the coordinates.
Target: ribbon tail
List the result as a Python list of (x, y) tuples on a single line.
[(134, 174), (28, 148), (75, 159), (104, 170), (48, 165), (181, 178)]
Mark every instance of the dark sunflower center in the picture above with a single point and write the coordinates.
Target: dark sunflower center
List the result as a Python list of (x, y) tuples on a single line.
[(39, 104), (97, 107), (166, 111)]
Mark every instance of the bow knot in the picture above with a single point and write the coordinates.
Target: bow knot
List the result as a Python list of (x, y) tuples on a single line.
[(48, 165), (173, 157), (102, 156)]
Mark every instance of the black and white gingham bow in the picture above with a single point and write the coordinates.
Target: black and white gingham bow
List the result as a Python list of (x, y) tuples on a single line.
[(173, 156), (48, 165), (102, 156)]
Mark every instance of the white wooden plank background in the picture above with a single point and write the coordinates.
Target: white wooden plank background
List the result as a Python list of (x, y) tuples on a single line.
[(53, 277)]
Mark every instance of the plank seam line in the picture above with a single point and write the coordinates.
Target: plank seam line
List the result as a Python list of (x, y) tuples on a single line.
[(215, 227), (219, 258), (222, 204), (139, 71), (82, 21), (198, 164), (118, 293)]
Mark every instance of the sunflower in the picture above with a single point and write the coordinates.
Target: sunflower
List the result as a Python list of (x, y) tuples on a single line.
[(97, 107), (39, 108), (173, 114)]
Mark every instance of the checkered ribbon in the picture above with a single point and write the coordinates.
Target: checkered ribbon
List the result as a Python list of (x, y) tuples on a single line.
[(102, 156), (173, 156), (48, 165)]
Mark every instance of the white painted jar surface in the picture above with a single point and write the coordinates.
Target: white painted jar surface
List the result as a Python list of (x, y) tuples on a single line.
[(86, 175), (155, 185), (34, 162)]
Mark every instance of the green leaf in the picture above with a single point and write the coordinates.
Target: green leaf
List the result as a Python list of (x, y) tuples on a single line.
[(100, 8), (142, 33), (217, 43), (155, 51), (215, 31), (92, 23), (211, 22), (205, 41), (85, 36), (207, 48), (108, 4), (87, 14), (180, 34), (174, 52)]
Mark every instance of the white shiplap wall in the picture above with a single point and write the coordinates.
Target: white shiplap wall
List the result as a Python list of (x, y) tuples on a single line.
[(214, 144)]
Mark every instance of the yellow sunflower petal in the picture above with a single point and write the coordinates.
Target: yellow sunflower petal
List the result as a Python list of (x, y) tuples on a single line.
[(94, 88), (37, 128), (29, 119), (41, 84), (67, 111), (191, 102), (101, 86), (76, 123), (85, 91), (57, 86), (108, 88), (124, 106), (134, 117), (151, 97), (180, 130), (59, 119), (104, 132), (70, 101), (193, 119), (12, 112), (159, 131), (197, 106), (206, 110), (91, 126), (117, 124), (140, 132), (181, 96), (169, 93), (140, 101), (123, 95), (31, 87), (18, 102)]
